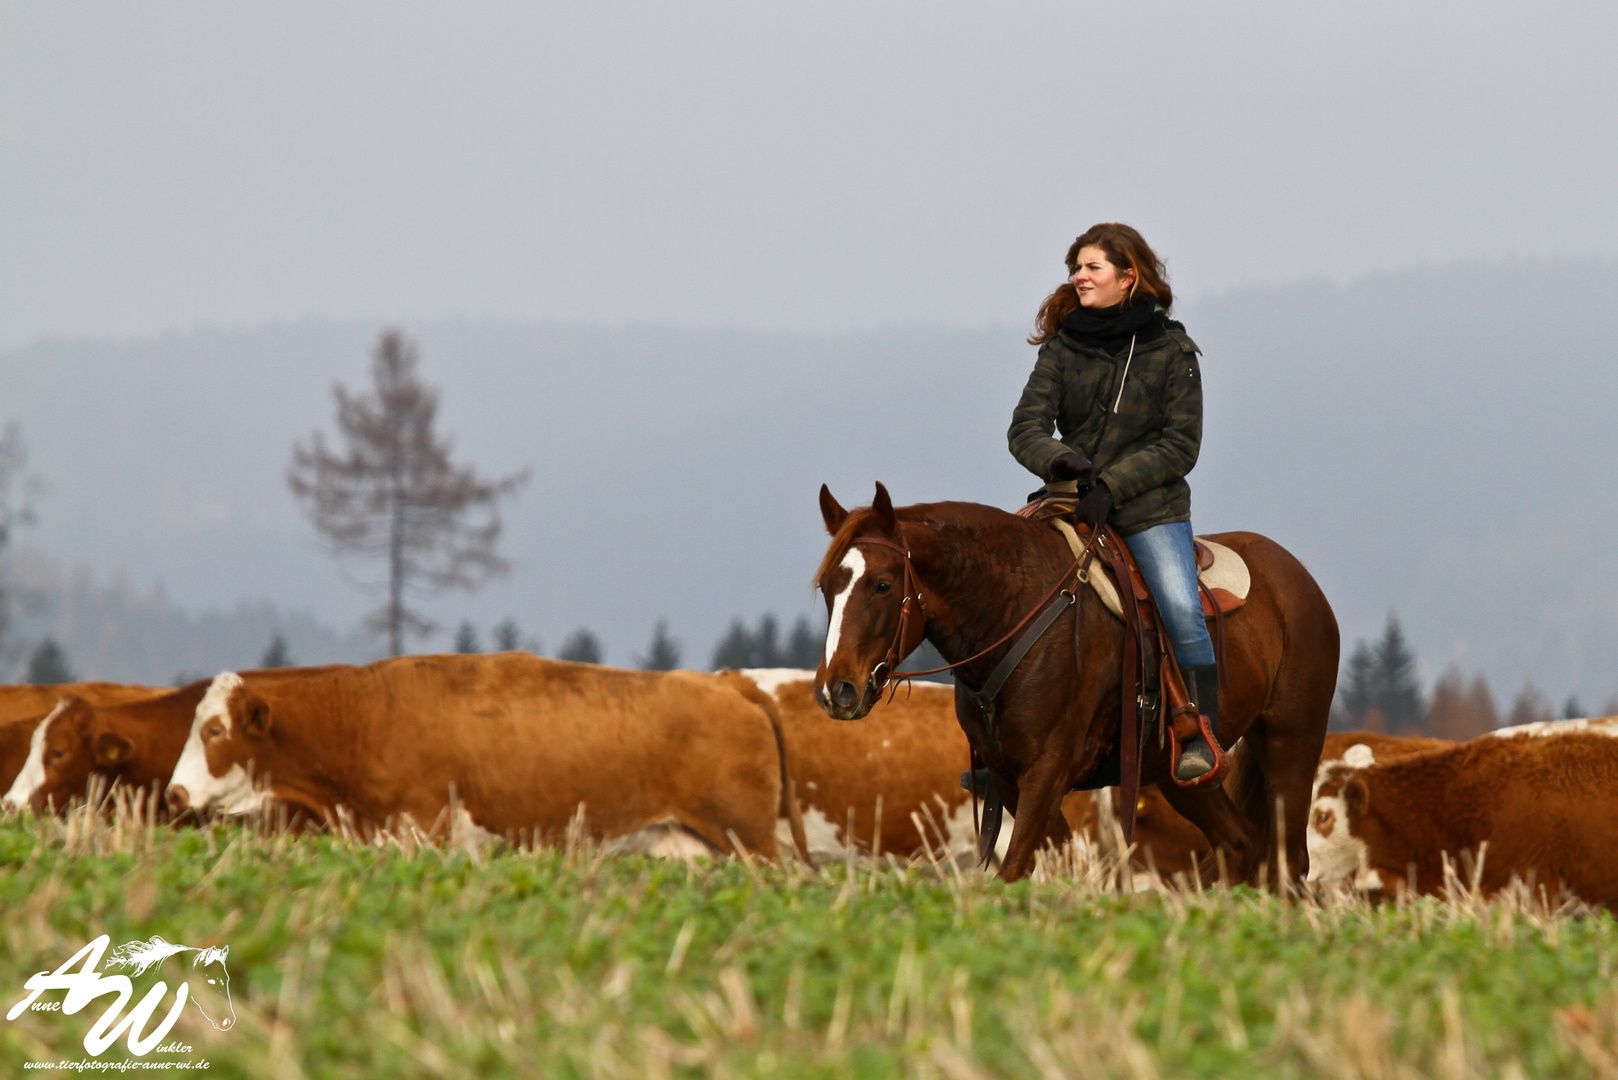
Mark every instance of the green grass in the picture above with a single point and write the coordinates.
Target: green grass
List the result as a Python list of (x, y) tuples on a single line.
[(398, 960)]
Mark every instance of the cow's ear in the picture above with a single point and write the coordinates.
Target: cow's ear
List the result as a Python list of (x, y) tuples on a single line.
[(831, 511), (111, 748), (255, 716), (1356, 796), (882, 507)]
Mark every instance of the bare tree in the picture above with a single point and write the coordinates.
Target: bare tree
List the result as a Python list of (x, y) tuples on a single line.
[(17, 489), (393, 493)]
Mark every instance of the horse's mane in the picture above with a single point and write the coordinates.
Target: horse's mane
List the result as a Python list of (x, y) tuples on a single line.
[(939, 514), (141, 955)]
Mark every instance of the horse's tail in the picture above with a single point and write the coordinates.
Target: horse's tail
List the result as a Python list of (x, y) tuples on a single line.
[(1247, 789)]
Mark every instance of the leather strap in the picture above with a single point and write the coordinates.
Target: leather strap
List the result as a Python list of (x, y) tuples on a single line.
[(1219, 632), (984, 698), (1129, 734)]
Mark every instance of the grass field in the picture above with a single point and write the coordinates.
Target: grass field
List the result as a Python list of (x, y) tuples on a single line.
[(396, 959)]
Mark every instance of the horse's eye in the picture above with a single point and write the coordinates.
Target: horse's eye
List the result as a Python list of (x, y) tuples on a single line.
[(882, 587)]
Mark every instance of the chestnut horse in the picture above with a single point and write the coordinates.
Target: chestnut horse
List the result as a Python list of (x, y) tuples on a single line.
[(980, 570)]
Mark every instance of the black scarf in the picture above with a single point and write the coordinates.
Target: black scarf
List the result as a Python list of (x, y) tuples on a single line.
[(1112, 328)]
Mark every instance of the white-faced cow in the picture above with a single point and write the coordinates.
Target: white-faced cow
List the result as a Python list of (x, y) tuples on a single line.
[(1544, 807), (23, 707), (523, 742)]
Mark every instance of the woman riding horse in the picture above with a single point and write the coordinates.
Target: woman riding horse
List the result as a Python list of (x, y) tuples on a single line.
[(1119, 379)]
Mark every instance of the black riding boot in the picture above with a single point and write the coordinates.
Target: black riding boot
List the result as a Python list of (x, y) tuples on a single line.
[(1196, 756)]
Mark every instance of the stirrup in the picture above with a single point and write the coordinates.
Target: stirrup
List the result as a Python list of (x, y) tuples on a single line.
[(1221, 765)]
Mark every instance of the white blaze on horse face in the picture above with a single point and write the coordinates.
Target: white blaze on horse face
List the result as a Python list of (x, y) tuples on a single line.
[(233, 792), (33, 770), (854, 563)]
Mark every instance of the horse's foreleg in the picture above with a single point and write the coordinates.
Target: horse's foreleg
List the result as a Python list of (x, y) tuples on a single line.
[(1212, 811), (1040, 792)]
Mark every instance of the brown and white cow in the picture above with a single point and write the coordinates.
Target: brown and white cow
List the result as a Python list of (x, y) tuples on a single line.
[(909, 751), (135, 741), (22, 708), (1545, 806), (523, 741), (1171, 844)]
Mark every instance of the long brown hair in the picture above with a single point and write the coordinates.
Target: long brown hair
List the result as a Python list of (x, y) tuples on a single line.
[(1126, 249)]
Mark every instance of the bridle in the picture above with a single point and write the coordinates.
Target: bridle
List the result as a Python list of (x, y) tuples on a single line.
[(912, 626)]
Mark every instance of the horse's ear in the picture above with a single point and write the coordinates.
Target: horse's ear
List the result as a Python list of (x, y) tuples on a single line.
[(111, 748), (882, 506), (833, 514), (255, 716)]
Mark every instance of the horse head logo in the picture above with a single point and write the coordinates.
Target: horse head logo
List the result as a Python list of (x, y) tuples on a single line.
[(211, 992)]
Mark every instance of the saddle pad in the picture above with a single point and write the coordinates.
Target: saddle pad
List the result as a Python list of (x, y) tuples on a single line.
[(1227, 577)]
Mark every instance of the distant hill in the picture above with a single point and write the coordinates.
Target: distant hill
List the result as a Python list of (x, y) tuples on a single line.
[(109, 630), (1427, 441)]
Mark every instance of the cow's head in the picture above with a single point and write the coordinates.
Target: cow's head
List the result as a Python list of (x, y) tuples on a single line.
[(230, 732), (864, 588), (1338, 823), (68, 745)]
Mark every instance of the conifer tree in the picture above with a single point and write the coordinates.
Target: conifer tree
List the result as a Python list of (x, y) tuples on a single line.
[(663, 654), (277, 655), (47, 665), (1380, 685), (583, 647)]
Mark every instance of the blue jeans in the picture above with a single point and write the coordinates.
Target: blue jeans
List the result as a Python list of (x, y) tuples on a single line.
[(1169, 565)]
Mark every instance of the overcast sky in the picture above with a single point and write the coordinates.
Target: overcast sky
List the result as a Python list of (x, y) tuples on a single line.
[(820, 165)]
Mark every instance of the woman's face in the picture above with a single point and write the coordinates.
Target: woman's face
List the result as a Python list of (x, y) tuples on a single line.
[(1100, 284)]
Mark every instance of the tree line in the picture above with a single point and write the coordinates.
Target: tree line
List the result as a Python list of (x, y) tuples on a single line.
[(1380, 690)]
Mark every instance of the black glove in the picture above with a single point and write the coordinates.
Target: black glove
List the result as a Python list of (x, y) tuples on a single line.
[(1094, 507), (1069, 466)]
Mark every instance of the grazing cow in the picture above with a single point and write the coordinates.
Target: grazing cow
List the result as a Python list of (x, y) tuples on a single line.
[(1536, 802), (909, 753), (135, 742), (1174, 844), (23, 707), (523, 742)]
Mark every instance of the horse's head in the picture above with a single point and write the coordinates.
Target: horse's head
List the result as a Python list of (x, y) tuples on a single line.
[(210, 987), (872, 599)]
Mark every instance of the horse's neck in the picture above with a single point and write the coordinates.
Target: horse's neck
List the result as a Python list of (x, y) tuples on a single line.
[(983, 583)]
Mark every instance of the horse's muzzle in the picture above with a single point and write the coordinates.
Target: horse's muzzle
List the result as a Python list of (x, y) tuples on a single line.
[(845, 701)]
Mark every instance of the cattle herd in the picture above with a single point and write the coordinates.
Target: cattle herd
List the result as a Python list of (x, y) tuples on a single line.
[(682, 763)]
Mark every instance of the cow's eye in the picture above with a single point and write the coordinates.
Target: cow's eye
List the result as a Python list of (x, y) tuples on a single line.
[(213, 731)]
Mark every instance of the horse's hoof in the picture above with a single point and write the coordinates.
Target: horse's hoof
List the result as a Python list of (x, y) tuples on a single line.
[(1196, 759)]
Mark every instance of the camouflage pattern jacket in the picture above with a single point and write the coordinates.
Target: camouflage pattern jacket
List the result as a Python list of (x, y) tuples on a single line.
[(1141, 429)]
